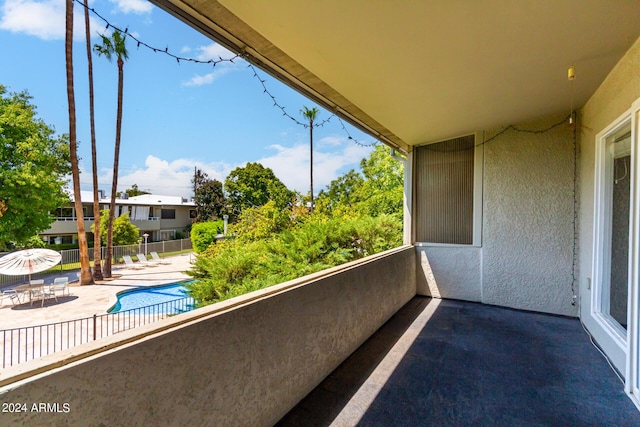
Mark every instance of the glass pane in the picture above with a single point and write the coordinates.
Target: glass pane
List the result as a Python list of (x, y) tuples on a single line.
[(621, 198)]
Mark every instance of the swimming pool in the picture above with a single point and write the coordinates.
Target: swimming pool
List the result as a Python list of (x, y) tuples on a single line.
[(155, 296)]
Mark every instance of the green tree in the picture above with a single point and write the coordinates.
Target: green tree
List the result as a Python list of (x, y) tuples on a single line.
[(254, 185), (33, 166), (382, 190), (208, 197), (135, 191), (261, 222), (310, 114), (97, 252), (114, 46), (124, 232), (33, 242), (377, 190), (341, 193)]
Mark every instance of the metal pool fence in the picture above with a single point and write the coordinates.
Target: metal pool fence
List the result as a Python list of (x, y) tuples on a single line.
[(23, 344)]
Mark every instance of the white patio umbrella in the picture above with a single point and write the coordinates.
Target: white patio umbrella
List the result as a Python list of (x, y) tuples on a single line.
[(28, 261)]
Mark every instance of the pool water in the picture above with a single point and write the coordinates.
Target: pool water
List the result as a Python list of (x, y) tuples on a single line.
[(143, 297)]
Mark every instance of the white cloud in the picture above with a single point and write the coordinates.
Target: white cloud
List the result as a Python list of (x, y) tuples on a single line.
[(291, 164), (214, 51), (139, 7), (331, 141), (42, 19), (164, 178), (199, 80)]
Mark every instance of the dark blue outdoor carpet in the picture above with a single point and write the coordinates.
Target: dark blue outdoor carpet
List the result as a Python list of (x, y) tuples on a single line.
[(454, 363)]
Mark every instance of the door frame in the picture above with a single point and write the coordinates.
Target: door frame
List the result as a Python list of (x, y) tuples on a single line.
[(620, 346)]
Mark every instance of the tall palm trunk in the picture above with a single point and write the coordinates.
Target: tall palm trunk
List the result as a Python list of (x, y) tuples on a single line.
[(116, 158), (310, 114), (85, 270), (97, 265), (311, 159)]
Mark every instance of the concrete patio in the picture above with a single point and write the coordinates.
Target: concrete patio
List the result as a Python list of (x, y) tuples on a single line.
[(85, 301)]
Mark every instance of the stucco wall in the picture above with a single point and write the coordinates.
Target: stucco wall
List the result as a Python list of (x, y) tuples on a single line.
[(449, 272), (528, 214), (246, 365), (526, 256)]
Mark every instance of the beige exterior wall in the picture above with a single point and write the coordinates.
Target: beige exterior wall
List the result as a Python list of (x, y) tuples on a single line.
[(181, 221), (178, 224), (526, 257), (615, 96), (245, 361)]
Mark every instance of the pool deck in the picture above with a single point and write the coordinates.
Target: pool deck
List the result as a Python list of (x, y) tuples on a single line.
[(85, 301)]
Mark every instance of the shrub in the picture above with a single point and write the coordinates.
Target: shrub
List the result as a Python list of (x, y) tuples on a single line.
[(237, 266), (203, 234)]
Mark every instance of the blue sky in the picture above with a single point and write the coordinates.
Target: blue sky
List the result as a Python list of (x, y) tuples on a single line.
[(176, 115)]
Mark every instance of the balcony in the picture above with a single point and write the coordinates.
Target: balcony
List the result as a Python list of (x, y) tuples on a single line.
[(251, 359)]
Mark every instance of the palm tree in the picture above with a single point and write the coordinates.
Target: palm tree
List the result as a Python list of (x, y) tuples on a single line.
[(97, 265), (109, 47), (85, 269), (310, 114)]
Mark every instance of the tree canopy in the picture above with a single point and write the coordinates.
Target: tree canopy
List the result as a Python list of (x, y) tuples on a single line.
[(135, 191), (208, 197), (33, 165), (359, 214), (377, 190), (254, 185)]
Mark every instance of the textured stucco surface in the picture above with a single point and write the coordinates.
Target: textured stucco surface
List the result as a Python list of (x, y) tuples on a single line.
[(247, 365), (615, 96), (526, 257), (449, 272), (528, 214)]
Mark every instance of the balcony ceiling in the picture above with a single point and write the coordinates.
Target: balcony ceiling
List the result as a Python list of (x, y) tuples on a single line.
[(420, 71)]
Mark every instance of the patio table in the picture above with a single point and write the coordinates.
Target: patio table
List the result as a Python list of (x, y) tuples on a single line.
[(30, 290)]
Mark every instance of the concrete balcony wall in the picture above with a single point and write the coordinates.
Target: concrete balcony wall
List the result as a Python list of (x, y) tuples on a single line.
[(69, 226), (147, 225), (244, 361)]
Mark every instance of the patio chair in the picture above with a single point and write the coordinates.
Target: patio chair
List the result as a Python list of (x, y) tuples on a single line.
[(142, 259), (130, 264), (159, 260), (11, 294), (60, 284), (40, 292)]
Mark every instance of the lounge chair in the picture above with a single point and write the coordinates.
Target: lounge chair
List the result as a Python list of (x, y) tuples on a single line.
[(130, 264), (159, 260), (60, 284), (142, 259)]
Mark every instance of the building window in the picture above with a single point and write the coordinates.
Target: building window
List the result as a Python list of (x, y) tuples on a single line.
[(168, 214), (167, 234), (192, 213), (64, 212), (446, 192)]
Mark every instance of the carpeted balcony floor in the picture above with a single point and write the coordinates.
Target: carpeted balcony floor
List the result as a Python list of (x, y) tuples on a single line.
[(454, 363)]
